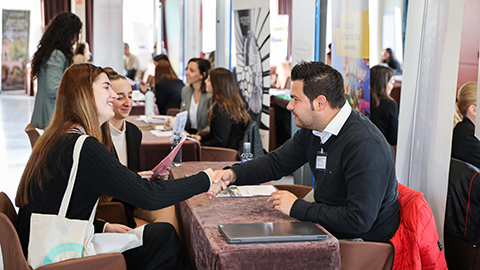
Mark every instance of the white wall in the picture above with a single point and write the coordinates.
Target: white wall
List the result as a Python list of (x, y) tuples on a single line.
[(108, 34), (428, 99)]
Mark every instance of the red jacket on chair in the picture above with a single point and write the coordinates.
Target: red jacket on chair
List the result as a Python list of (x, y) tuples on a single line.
[(416, 243)]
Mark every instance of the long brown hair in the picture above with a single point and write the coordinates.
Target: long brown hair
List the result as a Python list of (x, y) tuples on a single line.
[(75, 107), (59, 35), (226, 94), (164, 69), (379, 78)]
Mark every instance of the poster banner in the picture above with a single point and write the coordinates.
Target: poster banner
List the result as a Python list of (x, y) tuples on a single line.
[(350, 51), (252, 38), (16, 28)]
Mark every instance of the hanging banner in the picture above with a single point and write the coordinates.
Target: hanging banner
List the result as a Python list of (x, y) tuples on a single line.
[(350, 51), (16, 28), (252, 38)]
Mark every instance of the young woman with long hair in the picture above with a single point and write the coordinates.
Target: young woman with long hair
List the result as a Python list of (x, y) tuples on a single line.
[(195, 98), (53, 56), (228, 117), (84, 106), (168, 88), (384, 110)]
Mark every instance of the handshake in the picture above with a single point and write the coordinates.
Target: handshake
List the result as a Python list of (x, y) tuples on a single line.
[(219, 180)]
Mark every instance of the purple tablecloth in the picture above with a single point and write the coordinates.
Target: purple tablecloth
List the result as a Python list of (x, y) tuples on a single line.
[(208, 249)]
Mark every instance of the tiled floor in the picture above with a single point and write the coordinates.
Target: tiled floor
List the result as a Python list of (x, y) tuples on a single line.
[(15, 113)]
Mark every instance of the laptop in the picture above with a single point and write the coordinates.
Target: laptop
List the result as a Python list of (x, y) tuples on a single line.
[(267, 232)]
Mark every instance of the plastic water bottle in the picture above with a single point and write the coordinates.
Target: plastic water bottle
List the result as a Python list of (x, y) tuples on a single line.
[(177, 161), (137, 83), (149, 102), (247, 153)]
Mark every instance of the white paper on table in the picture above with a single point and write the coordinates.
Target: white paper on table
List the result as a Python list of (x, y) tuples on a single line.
[(161, 128), (118, 242), (248, 191), (159, 133), (180, 122)]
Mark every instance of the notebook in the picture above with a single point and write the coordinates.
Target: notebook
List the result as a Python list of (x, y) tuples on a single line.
[(240, 233)]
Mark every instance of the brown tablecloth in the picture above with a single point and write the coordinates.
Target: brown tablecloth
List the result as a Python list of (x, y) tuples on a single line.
[(209, 250), (154, 149)]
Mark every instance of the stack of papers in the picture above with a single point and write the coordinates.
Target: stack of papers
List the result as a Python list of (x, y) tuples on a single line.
[(248, 191), (159, 133)]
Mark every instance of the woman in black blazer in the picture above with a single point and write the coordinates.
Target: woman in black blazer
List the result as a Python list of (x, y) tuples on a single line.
[(227, 117), (168, 88)]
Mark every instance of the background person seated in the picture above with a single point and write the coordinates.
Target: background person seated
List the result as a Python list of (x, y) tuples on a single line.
[(228, 116), (195, 98), (168, 88), (465, 146), (384, 110)]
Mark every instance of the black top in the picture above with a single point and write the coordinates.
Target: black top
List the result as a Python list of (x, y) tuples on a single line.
[(168, 94), (355, 196), (223, 132), (385, 117), (395, 65), (99, 172), (465, 146)]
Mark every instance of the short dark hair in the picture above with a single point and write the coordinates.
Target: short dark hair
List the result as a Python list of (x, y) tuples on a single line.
[(320, 79)]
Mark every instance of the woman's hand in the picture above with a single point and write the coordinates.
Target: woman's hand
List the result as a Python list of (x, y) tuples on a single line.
[(197, 137), (116, 228), (146, 174)]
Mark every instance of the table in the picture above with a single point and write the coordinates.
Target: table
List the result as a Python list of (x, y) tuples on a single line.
[(208, 249), (154, 149)]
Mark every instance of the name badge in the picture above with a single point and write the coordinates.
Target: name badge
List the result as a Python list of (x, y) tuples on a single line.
[(321, 163)]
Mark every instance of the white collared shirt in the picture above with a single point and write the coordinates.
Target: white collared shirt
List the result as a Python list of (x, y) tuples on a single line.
[(334, 127), (120, 142)]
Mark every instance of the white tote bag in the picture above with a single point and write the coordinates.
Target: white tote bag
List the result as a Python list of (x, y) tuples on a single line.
[(55, 238)]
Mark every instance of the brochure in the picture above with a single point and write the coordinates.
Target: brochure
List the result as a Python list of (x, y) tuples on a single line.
[(162, 167), (248, 191)]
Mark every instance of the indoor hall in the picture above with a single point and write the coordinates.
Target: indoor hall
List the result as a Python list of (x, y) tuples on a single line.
[(434, 45)]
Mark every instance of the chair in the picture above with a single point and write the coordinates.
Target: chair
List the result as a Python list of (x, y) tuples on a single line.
[(32, 133), (365, 255), (461, 227), (297, 190), (212, 153), (14, 259), (172, 111), (252, 135)]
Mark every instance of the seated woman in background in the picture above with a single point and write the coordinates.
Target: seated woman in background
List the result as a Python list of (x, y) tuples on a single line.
[(82, 54), (127, 138), (465, 146), (390, 59), (195, 98), (228, 117), (168, 88), (84, 106), (383, 109)]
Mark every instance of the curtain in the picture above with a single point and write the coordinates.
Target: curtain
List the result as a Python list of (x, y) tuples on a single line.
[(89, 24), (164, 26), (50, 8), (285, 8)]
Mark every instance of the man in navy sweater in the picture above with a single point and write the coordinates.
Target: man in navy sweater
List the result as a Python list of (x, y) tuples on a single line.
[(356, 191)]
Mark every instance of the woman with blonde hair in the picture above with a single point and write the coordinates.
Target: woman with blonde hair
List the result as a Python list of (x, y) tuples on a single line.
[(465, 146), (228, 117), (84, 106)]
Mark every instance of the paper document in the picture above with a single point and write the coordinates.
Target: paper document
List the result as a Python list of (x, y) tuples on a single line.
[(248, 191), (162, 167), (118, 242), (180, 122)]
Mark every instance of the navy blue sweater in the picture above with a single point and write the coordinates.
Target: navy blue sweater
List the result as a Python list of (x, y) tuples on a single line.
[(356, 196)]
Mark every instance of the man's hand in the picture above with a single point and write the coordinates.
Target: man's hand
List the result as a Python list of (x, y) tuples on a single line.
[(222, 179), (116, 228), (282, 200)]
